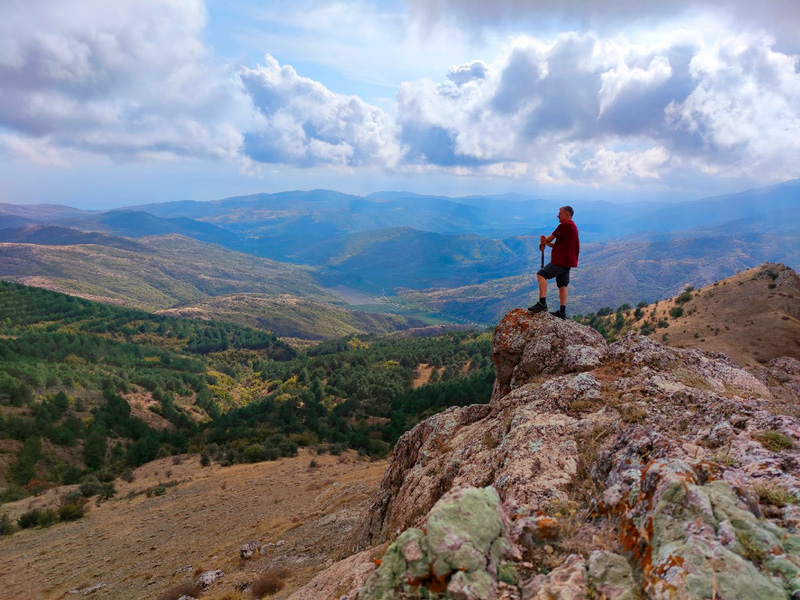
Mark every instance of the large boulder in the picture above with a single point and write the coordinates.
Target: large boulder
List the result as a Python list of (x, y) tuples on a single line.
[(528, 345), (460, 552)]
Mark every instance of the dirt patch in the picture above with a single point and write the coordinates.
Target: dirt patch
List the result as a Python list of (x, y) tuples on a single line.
[(140, 407), (423, 374), (140, 546)]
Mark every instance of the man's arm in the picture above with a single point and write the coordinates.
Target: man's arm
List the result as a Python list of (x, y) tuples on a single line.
[(546, 241)]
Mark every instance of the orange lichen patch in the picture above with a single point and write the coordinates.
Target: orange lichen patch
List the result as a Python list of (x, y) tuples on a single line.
[(431, 582), (708, 471), (672, 561), (547, 528), (378, 561)]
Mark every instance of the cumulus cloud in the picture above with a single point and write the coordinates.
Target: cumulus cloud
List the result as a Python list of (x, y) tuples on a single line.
[(778, 16), (128, 79), (584, 107), (302, 122), (134, 80)]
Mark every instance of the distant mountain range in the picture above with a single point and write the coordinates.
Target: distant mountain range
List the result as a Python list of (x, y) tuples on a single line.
[(468, 258)]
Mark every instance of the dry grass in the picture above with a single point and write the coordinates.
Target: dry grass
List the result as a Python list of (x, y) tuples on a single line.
[(269, 582), (186, 588), (758, 337), (141, 547), (774, 440)]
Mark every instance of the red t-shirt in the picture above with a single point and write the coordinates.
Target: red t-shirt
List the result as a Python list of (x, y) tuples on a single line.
[(567, 246)]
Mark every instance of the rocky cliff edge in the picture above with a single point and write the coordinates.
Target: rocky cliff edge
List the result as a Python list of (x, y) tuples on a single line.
[(623, 471)]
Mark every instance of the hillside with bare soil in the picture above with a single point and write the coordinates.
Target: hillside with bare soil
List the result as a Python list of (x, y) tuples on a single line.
[(752, 317), (140, 544)]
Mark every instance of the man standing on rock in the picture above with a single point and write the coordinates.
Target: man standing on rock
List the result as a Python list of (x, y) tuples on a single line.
[(566, 248)]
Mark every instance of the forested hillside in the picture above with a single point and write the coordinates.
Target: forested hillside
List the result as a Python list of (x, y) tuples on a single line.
[(93, 389)]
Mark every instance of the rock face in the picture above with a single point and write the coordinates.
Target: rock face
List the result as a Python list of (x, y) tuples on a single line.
[(615, 471)]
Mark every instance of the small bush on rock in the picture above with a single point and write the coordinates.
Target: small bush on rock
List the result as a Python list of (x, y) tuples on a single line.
[(774, 440), (775, 496)]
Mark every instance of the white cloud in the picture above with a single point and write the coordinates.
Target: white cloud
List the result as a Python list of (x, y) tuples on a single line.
[(616, 167), (730, 106), (744, 111), (130, 79), (134, 80), (33, 150), (304, 123)]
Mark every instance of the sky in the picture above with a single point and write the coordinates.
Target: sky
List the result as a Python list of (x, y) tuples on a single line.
[(106, 104)]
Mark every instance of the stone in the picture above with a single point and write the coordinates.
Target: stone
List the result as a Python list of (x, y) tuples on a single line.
[(567, 582), (612, 576), (459, 552), (209, 578), (526, 345), (342, 580), (659, 450), (246, 551)]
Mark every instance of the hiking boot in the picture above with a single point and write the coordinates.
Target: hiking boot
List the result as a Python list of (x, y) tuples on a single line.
[(559, 314), (538, 307)]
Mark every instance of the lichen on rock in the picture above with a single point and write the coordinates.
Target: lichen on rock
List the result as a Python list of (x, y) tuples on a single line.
[(458, 553), (682, 470)]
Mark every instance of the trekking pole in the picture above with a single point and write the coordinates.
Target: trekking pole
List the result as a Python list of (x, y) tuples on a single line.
[(543, 258)]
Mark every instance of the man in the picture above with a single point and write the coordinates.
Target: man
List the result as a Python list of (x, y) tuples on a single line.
[(566, 248)]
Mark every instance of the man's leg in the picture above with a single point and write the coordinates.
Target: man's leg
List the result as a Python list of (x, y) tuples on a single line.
[(542, 287), (562, 281), (542, 275)]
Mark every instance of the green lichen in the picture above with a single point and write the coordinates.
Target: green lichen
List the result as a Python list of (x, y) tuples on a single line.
[(458, 553), (748, 568)]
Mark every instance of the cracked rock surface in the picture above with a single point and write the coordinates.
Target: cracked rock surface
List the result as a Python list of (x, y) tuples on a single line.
[(622, 471)]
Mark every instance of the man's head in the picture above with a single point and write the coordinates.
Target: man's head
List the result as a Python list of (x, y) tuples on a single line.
[(565, 213)]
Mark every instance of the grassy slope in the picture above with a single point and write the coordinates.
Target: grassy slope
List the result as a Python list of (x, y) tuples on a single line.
[(753, 316), (175, 269), (138, 545)]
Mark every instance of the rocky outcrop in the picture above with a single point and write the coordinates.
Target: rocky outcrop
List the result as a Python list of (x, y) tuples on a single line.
[(613, 471), (526, 345)]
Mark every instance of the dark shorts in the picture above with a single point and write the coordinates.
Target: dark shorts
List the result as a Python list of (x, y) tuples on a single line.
[(560, 273)]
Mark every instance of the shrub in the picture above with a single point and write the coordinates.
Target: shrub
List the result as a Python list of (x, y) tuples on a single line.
[(775, 496), (683, 298), (269, 582), (127, 476), (72, 511), (91, 486), (255, 453), (772, 286), (6, 526), (28, 519), (676, 311), (205, 459), (37, 517), (108, 491), (774, 440), (47, 517), (12, 494), (187, 588), (662, 323)]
